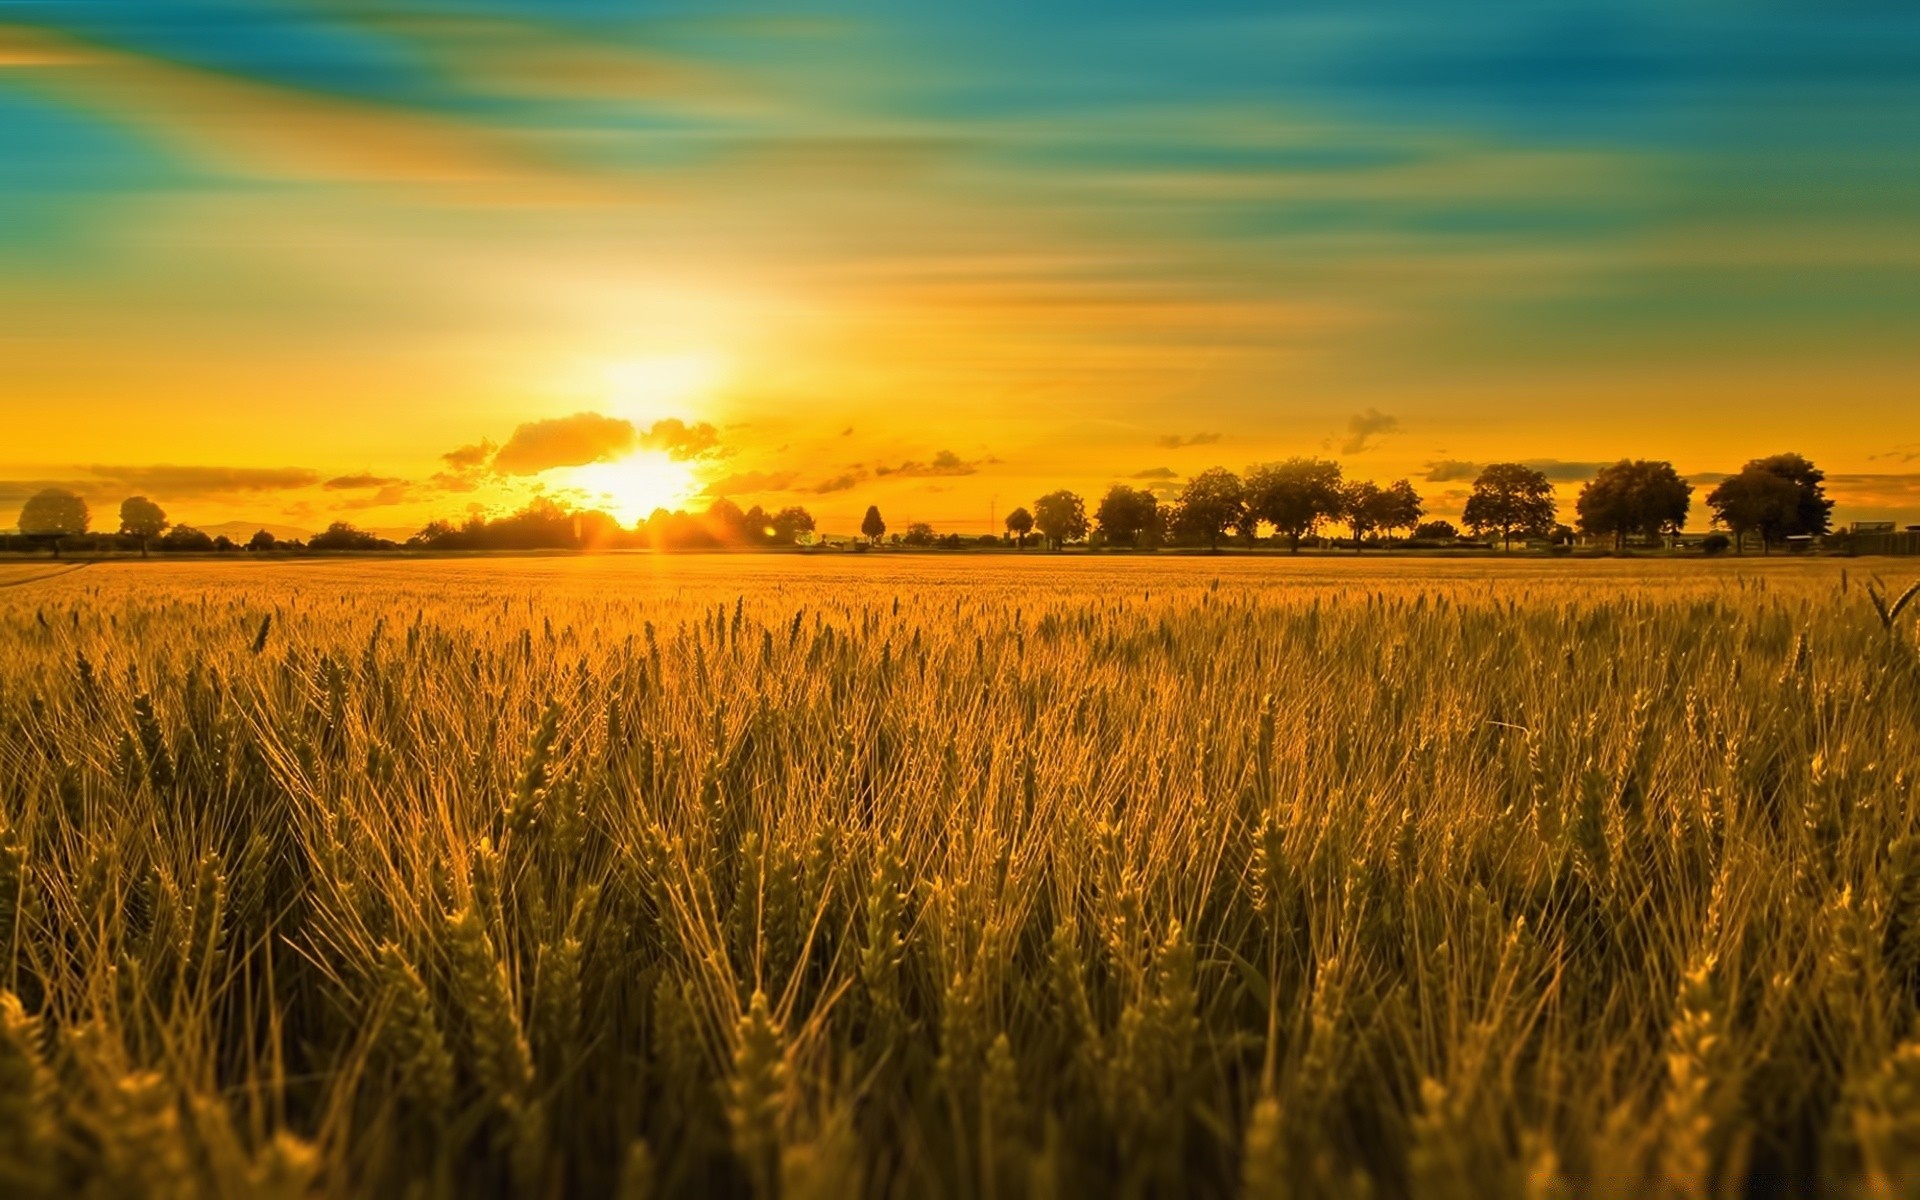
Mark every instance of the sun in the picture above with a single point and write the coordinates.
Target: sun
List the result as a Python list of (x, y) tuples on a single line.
[(632, 487)]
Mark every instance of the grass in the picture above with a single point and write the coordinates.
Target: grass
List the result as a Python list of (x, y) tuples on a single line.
[(958, 878)]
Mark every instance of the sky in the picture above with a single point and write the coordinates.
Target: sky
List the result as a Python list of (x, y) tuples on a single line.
[(387, 261)]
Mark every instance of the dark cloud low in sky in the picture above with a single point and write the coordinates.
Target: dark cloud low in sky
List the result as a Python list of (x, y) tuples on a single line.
[(176, 482), (1174, 441), (1454, 470), (1365, 428), (946, 462), (365, 479)]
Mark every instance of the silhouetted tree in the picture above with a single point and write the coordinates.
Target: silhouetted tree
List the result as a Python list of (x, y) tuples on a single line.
[(1061, 517), (1510, 498), (1634, 496), (1361, 502), (1125, 513), (789, 523), (262, 540), (53, 514), (342, 535), (1755, 500), (1295, 496), (871, 525), (185, 539), (1779, 496), (1020, 524), (1400, 506), (142, 520), (1435, 531), (919, 533), (1213, 502)]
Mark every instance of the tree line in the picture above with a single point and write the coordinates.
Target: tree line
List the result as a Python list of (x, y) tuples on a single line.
[(1773, 499), (56, 518), (1769, 500)]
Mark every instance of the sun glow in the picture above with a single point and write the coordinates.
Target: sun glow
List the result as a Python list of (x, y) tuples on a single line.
[(645, 384), (631, 488)]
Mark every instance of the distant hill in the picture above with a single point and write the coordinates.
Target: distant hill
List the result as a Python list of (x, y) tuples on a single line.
[(240, 531)]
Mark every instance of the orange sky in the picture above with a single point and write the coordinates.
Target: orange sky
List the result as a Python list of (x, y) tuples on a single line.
[(282, 287)]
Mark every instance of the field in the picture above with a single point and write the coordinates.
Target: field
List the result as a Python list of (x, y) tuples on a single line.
[(999, 877)]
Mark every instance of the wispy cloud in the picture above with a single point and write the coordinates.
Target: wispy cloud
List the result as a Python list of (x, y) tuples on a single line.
[(365, 479), (946, 462), (166, 481), (1453, 470), (1175, 441)]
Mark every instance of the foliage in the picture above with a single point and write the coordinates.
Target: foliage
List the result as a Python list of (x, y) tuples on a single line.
[(53, 513), (1777, 497), (141, 518), (1510, 498), (1435, 531), (1127, 516), (871, 525), (1634, 496), (1020, 524), (1212, 503), (1061, 517), (1295, 496)]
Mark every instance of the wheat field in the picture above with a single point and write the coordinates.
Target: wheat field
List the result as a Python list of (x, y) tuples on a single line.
[(954, 877)]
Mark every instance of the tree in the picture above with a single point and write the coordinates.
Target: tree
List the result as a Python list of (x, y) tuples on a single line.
[(1213, 502), (53, 514), (1360, 503), (1126, 513), (187, 539), (1634, 496), (1510, 498), (342, 535), (1295, 496), (919, 533), (142, 519), (1061, 517), (1435, 531), (1020, 524), (871, 525), (262, 540), (1779, 496), (1400, 506), (790, 523)]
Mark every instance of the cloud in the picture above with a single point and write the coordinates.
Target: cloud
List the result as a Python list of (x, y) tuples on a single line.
[(1906, 452), (680, 440), (166, 481), (946, 462), (1364, 427), (469, 458), (1451, 470), (17, 491), (750, 482), (393, 492), (1173, 441), (1454, 470), (1156, 473), (838, 483), (366, 479), (573, 441)]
